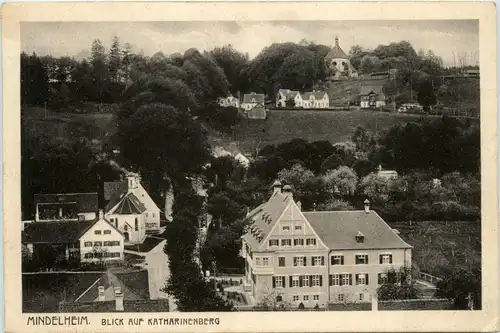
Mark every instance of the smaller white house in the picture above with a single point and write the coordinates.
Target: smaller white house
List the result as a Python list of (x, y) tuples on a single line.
[(285, 95), (251, 100), (128, 216), (229, 101), (387, 174), (372, 97), (102, 241), (315, 100)]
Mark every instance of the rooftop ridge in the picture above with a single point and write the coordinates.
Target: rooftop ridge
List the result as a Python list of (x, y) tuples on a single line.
[(66, 193)]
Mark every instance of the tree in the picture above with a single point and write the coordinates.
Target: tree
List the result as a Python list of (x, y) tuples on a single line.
[(98, 62), (342, 180), (233, 63), (463, 287), (426, 96), (34, 80), (334, 205), (363, 167), (375, 188), (295, 176), (273, 301), (398, 285), (363, 140), (115, 58), (290, 103), (331, 162)]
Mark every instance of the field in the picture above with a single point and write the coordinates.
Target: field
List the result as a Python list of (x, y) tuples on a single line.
[(440, 245), (342, 92), (43, 292), (335, 126)]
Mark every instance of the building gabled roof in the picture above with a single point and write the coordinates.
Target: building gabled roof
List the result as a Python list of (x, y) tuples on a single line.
[(289, 94), (55, 232), (85, 202), (265, 217), (129, 205), (338, 230), (316, 94), (336, 51), (248, 98), (366, 90)]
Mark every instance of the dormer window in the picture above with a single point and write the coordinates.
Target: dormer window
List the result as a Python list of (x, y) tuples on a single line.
[(360, 238)]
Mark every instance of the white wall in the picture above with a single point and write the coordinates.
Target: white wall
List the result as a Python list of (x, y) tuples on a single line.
[(107, 233), (126, 224)]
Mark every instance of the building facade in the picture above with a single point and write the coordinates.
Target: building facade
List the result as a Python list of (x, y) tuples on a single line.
[(338, 64), (315, 100), (229, 101), (372, 97), (102, 241), (285, 95), (65, 207), (317, 258), (251, 100)]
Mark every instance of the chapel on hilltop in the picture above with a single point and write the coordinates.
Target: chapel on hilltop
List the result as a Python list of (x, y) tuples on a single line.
[(338, 64)]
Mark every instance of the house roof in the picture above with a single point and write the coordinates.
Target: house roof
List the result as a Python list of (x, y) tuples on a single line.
[(366, 90), (129, 205), (85, 202), (248, 98), (117, 195), (336, 51), (338, 230), (289, 94), (55, 232), (265, 216), (316, 94)]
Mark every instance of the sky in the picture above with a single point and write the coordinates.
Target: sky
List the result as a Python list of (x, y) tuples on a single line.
[(448, 39)]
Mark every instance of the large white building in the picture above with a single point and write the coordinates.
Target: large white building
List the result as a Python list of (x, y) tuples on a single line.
[(318, 258)]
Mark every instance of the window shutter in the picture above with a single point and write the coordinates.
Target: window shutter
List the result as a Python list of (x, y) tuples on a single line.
[(295, 261), (283, 278), (350, 279), (305, 261), (341, 279), (330, 280), (357, 278), (331, 260), (300, 281), (290, 278), (323, 261), (312, 261), (390, 258), (342, 259), (380, 258), (366, 257), (366, 277), (321, 280), (310, 280), (274, 282)]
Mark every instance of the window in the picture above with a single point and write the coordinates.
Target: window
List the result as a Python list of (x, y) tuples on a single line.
[(97, 243), (316, 280), (340, 297), (294, 281), (257, 261), (265, 261), (107, 232), (361, 259), (362, 279), (136, 224), (316, 297), (286, 228), (385, 258), (146, 214), (335, 280), (299, 261), (295, 298), (306, 279), (88, 255), (286, 242), (311, 241), (361, 297), (298, 227), (382, 278), (112, 220), (274, 242), (278, 282), (346, 280), (97, 232), (306, 297), (279, 298), (298, 242), (337, 260), (281, 261), (318, 261), (154, 215)]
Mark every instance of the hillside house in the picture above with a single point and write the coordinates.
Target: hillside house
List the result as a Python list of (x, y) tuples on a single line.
[(387, 174), (82, 240), (229, 101), (318, 258), (285, 95), (257, 112), (114, 192), (251, 100), (66, 207), (338, 64), (315, 100), (372, 97)]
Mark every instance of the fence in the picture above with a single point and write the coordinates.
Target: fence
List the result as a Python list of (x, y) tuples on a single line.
[(415, 304), (429, 278)]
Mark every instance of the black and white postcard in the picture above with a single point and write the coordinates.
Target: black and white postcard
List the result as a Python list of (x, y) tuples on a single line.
[(250, 167)]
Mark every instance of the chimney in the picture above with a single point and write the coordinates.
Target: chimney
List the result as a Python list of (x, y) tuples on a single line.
[(336, 41), (277, 187), (287, 190), (299, 204), (118, 299), (131, 181), (101, 296), (101, 214), (367, 206)]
